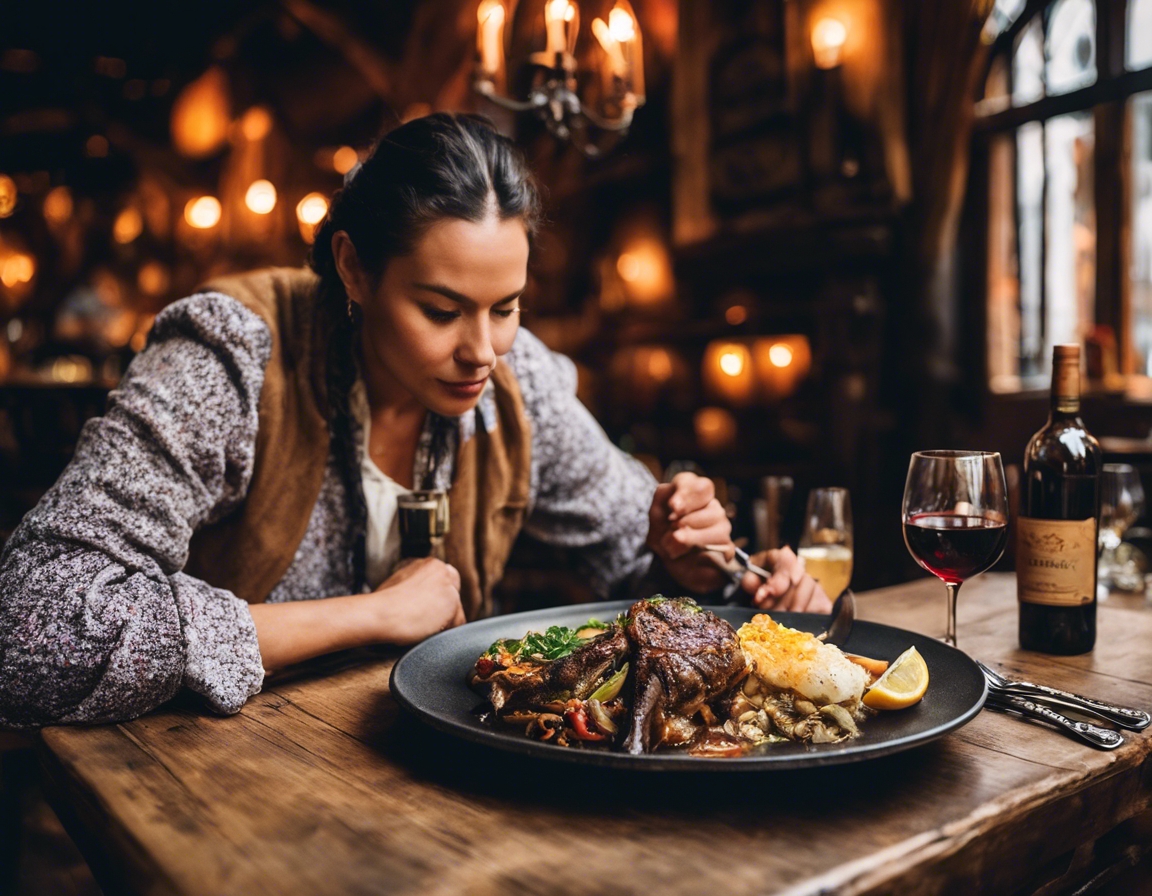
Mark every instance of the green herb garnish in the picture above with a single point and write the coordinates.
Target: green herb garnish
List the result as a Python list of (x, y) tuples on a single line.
[(554, 644)]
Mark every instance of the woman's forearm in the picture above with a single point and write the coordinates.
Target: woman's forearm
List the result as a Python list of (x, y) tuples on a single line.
[(293, 632), (418, 600)]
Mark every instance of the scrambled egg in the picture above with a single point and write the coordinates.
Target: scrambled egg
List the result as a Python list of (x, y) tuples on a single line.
[(785, 659)]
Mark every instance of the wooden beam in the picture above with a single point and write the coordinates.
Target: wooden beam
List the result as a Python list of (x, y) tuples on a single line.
[(377, 71)]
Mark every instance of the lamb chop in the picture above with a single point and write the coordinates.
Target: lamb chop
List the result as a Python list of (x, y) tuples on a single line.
[(684, 658)]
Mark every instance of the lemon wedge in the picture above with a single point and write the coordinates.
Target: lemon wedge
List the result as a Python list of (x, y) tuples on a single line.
[(902, 685)]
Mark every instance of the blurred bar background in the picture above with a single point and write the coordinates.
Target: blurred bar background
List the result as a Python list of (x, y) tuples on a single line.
[(835, 232)]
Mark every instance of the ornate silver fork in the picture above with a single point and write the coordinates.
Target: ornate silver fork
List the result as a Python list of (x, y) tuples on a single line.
[(1121, 716)]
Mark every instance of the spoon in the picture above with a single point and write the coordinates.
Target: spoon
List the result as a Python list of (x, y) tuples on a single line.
[(840, 619)]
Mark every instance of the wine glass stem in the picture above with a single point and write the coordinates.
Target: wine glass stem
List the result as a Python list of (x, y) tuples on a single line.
[(953, 590)]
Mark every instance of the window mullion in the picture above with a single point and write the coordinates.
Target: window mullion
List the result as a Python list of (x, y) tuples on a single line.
[(1043, 246)]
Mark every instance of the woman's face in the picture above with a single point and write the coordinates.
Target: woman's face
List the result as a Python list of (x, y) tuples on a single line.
[(444, 313)]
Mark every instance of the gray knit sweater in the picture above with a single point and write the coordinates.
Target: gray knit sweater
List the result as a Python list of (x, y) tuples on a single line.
[(97, 621)]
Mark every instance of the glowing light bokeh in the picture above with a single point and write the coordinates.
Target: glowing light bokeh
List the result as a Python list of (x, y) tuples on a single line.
[(58, 205), (828, 38), (312, 209), (345, 158), (203, 212), (732, 363), (780, 355), (128, 226), (8, 196), (261, 197)]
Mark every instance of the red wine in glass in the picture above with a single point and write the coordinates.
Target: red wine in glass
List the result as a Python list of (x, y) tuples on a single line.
[(954, 546), (955, 517)]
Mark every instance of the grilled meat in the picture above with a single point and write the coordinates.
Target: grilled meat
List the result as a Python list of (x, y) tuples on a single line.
[(684, 658), (530, 683)]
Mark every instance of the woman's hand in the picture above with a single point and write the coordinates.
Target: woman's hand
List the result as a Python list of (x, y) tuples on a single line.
[(420, 599), (684, 517), (790, 587)]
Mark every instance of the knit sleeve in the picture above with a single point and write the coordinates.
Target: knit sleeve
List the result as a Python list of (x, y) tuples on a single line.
[(97, 622), (587, 494)]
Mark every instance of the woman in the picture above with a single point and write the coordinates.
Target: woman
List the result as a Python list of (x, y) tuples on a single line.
[(250, 460)]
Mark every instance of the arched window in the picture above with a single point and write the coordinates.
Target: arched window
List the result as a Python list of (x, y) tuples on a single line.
[(1068, 240)]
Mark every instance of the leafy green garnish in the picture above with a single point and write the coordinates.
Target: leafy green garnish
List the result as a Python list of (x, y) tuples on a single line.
[(554, 644), (687, 602)]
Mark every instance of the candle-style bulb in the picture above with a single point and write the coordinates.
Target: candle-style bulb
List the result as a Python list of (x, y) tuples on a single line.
[(828, 38), (561, 22), (621, 25), (490, 37)]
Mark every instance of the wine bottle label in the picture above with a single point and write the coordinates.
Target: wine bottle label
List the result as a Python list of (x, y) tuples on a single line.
[(1056, 561)]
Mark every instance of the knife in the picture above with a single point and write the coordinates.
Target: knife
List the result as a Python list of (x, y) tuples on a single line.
[(1104, 738)]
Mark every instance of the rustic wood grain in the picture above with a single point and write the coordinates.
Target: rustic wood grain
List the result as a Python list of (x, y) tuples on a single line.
[(321, 785)]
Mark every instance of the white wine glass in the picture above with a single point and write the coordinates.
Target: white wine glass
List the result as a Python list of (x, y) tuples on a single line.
[(955, 517), (1121, 505), (826, 541)]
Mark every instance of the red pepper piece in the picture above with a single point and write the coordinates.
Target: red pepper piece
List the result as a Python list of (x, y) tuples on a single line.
[(486, 666), (578, 719)]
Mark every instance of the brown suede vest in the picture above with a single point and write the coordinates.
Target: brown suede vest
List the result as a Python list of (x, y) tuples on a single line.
[(249, 551)]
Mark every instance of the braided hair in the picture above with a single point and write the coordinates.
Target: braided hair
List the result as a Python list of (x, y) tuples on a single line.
[(432, 168)]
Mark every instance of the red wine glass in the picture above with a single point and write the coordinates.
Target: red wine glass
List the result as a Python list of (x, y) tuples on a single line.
[(955, 517)]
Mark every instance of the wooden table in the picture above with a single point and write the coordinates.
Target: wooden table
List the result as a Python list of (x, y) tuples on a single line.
[(321, 785)]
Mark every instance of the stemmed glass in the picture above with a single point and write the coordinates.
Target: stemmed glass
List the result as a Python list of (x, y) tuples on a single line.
[(1121, 504), (955, 517), (826, 542)]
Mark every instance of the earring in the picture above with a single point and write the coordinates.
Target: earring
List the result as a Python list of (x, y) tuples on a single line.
[(354, 312)]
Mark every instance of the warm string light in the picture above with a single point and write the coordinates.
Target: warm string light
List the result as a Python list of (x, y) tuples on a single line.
[(17, 269), (261, 197), (782, 363), (310, 211), (646, 270), (128, 226), (728, 372), (766, 368), (203, 213), (732, 363), (780, 355)]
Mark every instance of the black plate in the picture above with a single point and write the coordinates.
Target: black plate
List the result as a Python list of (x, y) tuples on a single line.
[(429, 680)]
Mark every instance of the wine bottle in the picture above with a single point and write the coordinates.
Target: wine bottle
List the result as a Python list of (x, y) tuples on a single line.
[(1057, 529)]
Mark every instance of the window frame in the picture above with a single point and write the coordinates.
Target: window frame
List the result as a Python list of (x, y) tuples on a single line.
[(1106, 100)]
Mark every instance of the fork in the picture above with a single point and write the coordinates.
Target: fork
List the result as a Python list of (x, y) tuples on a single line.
[(1132, 719), (742, 557)]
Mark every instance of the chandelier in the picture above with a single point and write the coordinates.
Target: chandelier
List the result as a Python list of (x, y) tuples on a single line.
[(617, 81)]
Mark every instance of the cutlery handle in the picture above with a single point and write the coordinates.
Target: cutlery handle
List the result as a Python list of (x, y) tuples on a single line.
[(1133, 719), (1104, 738)]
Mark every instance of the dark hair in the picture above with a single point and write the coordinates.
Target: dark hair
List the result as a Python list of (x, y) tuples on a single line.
[(432, 168)]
